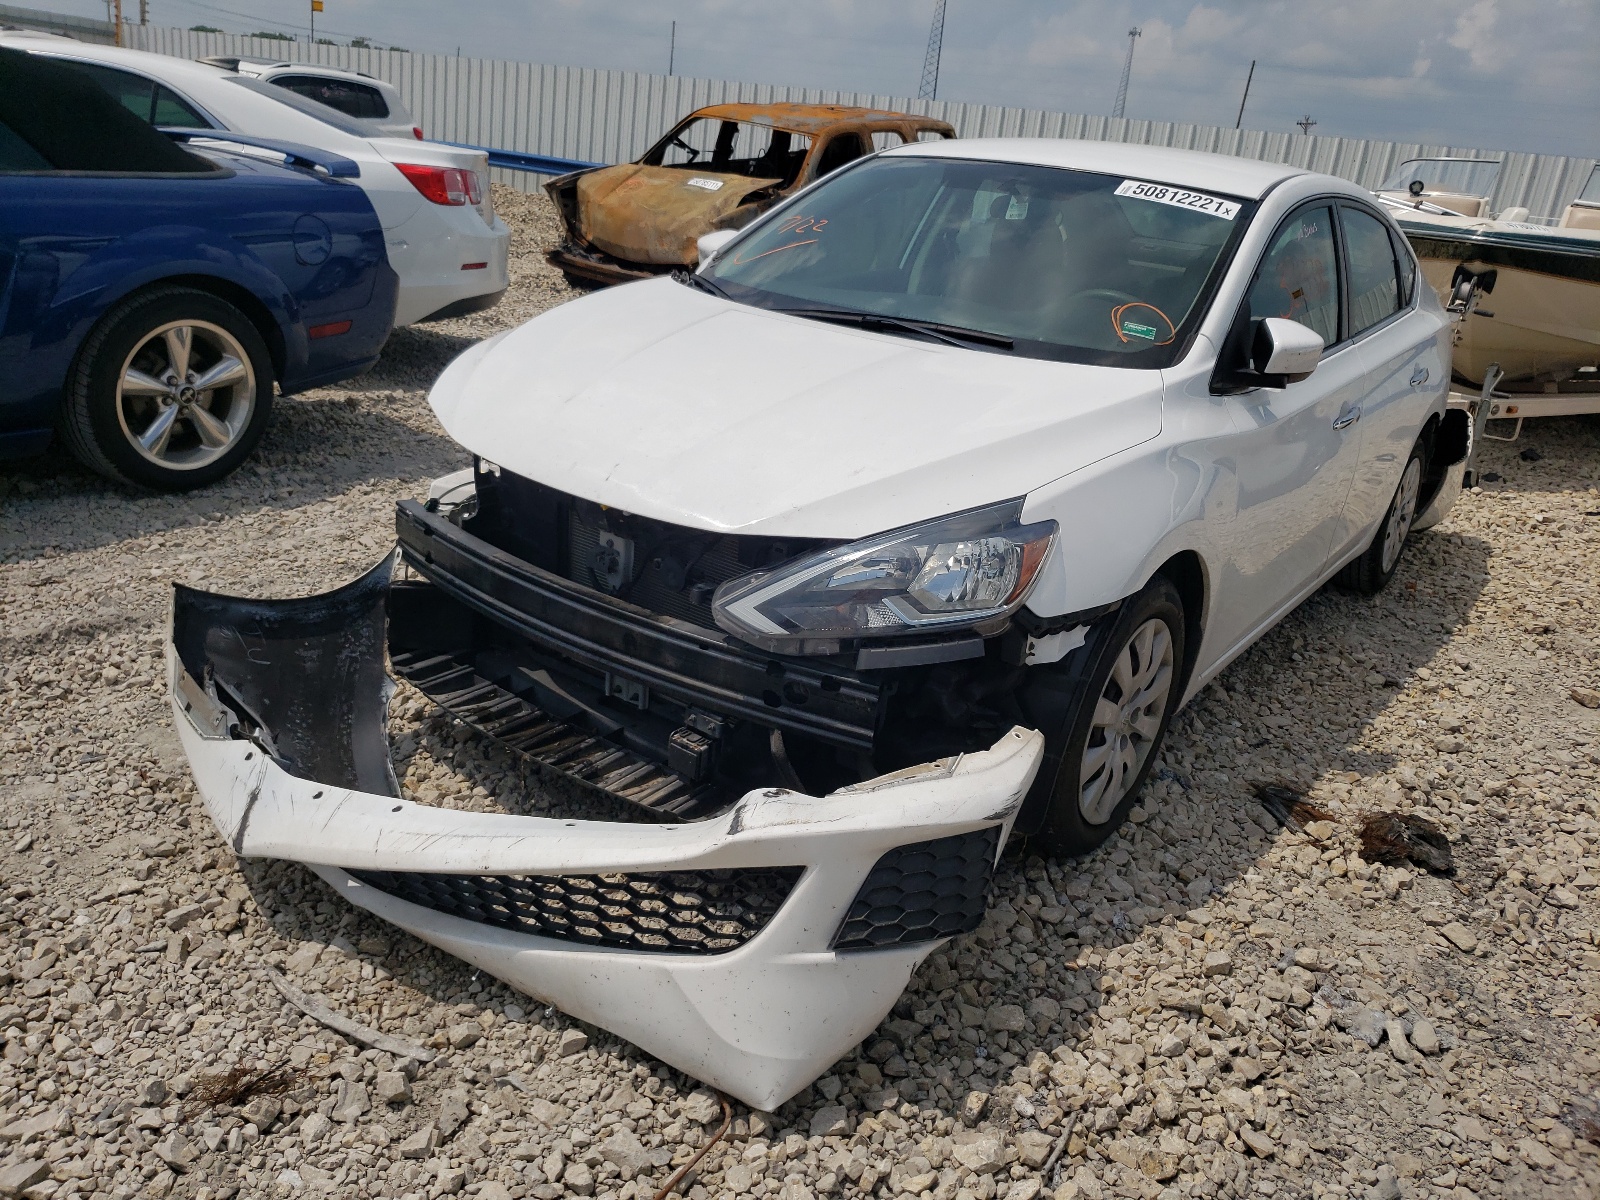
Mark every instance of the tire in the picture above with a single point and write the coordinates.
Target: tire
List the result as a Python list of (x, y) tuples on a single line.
[(1090, 794), (123, 387), (1368, 574)]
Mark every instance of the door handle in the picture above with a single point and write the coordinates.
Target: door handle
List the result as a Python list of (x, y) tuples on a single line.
[(1348, 417), (1419, 377)]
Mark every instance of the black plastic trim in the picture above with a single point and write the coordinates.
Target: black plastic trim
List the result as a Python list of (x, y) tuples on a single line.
[(694, 666)]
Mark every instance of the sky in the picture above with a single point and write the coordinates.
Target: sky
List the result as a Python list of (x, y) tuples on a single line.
[(1492, 74)]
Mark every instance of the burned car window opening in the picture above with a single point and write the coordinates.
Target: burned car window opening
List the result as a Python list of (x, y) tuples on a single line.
[(725, 147), (1066, 265)]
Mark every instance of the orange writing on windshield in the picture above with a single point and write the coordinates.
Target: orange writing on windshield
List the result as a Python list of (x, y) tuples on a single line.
[(795, 224)]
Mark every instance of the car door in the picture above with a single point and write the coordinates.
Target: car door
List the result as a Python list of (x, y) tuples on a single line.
[(1295, 452), (1404, 364)]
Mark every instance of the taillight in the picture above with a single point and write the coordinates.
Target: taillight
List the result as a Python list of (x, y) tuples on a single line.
[(443, 185), (417, 130)]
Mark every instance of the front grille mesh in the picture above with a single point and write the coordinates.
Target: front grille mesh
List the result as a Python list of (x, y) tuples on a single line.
[(922, 892), (677, 912)]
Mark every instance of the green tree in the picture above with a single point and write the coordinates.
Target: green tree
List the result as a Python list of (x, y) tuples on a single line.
[(204, 29), (271, 37)]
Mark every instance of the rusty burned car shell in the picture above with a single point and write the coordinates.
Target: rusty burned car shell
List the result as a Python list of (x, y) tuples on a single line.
[(640, 219)]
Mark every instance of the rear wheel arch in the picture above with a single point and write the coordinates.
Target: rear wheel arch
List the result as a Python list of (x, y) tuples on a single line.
[(246, 302)]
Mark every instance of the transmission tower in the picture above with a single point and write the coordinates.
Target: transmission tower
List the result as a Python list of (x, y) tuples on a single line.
[(1306, 124), (929, 89), (1127, 70)]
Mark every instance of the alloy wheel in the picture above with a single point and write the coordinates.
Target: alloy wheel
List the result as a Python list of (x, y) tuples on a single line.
[(185, 394), (1401, 515), (1127, 719)]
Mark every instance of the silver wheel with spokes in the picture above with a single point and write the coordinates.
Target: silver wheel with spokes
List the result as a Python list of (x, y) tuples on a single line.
[(1127, 721), (185, 395), (1401, 514)]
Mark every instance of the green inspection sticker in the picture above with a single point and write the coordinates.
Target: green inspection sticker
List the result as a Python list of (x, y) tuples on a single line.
[(1134, 329)]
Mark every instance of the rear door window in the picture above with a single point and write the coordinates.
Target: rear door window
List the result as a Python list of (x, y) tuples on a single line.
[(134, 92), (1374, 281), (1299, 275), (359, 100)]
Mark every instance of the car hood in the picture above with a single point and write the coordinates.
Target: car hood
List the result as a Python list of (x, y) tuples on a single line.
[(655, 214), (673, 404)]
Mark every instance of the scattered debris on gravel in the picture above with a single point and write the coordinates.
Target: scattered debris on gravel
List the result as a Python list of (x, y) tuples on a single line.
[(1219, 1003)]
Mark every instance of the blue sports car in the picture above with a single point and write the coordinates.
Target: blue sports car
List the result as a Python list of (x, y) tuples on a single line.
[(152, 293)]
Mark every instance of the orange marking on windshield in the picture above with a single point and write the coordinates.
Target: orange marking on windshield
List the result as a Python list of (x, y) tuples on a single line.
[(1116, 321), (792, 245)]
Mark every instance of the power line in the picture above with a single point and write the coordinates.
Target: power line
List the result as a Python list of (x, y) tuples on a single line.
[(1127, 70), (929, 88), (258, 20)]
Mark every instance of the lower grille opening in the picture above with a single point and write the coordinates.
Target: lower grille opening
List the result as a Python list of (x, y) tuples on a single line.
[(922, 892), (676, 912)]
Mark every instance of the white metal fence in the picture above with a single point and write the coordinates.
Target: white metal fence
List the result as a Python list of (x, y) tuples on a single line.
[(614, 116)]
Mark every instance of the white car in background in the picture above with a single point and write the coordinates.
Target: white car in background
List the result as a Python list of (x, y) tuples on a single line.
[(443, 239), (371, 103)]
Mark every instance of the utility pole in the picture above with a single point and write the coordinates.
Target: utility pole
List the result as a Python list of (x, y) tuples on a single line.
[(672, 50), (1239, 120), (118, 19), (1127, 70), (929, 88), (144, 12), (316, 7), (1305, 124)]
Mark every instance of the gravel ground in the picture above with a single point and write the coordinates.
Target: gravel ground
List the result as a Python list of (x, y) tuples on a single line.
[(1211, 1005)]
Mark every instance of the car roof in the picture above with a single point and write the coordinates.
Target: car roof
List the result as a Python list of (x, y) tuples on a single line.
[(812, 118), (161, 65), (1246, 177)]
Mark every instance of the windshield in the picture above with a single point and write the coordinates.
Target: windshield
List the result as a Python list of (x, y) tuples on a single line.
[(1458, 176), (716, 146), (1063, 264)]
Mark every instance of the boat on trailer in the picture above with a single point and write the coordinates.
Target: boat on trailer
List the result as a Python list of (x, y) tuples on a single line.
[(1532, 331)]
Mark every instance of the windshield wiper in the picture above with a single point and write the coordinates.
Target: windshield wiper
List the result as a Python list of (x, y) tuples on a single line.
[(701, 283), (951, 335)]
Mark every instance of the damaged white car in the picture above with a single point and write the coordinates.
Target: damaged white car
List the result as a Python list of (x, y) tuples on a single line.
[(900, 528)]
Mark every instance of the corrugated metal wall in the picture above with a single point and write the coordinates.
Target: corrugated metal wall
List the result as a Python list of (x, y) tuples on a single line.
[(614, 116), (85, 29)]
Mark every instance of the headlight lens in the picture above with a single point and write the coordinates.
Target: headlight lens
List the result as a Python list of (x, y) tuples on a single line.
[(960, 570)]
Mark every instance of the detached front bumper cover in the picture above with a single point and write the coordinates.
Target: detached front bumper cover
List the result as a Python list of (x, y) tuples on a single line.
[(750, 949)]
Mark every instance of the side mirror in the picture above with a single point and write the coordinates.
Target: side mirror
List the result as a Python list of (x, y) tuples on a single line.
[(1284, 351), (1272, 352), (708, 244)]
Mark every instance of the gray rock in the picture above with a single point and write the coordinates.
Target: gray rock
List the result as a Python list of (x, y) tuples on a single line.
[(420, 1144), (392, 1087), (579, 1179), (1366, 1024), (22, 1175), (1007, 1017), (177, 1151), (830, 1121), (573, 1041), (1424, 1038), (453, 1114), (700, 1105), (468, 1033), (314, 1128), (626, 1152)]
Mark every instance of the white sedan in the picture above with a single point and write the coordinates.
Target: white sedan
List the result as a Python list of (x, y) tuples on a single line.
[(443, 239), (901, 527)]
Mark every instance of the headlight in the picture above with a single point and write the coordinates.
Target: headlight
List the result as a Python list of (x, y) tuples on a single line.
[(962, 570)]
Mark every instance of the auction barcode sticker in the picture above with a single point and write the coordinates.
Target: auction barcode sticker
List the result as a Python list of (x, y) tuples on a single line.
[(1163, 193), (710, 185)]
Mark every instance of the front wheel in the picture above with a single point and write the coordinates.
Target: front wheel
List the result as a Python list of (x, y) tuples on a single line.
[(1368, 574), (170, 391), (1115, 720)]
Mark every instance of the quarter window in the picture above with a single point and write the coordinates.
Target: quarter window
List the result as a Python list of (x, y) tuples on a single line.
[(1374, 283), (886, 139), (1299, 277)]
